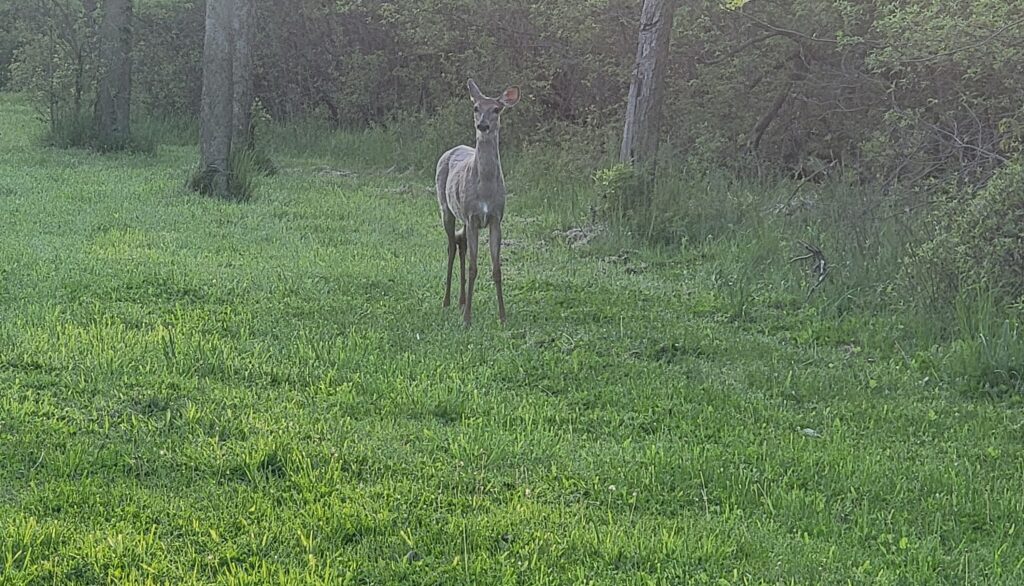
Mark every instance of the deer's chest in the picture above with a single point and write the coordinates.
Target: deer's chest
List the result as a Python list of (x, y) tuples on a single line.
[(476, 201)]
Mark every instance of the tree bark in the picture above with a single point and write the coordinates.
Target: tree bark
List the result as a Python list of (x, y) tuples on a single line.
[(643, 110), (216, 119), (243, 23), (113, 97)]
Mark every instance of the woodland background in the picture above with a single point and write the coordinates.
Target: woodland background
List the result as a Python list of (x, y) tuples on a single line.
[(917, 105)]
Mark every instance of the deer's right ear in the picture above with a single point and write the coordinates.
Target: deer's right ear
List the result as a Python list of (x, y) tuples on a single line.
[(474, 91)]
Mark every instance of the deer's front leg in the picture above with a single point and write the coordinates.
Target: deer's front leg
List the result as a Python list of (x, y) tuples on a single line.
[(460, 243), (472, 244), (496, 267)]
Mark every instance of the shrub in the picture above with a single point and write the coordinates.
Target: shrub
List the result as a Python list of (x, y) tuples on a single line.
[(618, 195), (978, 239)]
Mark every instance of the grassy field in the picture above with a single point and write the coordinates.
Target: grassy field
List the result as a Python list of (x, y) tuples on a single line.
[(196, 392)]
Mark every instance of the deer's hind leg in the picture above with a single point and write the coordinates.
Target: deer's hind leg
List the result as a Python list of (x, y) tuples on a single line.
[(449, 227)]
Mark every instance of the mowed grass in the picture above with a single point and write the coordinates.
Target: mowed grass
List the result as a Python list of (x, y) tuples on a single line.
[(199, 392)]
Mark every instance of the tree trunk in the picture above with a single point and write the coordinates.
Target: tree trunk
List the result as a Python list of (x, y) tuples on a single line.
[(643, 111), (51, 90), (243, 23), (216, 125), (113, 99), (765, 121)]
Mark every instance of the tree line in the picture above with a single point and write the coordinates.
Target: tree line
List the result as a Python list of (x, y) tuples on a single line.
[(894, 92)]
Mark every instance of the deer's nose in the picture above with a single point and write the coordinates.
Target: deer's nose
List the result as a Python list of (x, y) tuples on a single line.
[(483, 127)]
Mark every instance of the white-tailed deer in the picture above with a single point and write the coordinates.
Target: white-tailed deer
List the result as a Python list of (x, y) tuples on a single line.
[(471, 188)]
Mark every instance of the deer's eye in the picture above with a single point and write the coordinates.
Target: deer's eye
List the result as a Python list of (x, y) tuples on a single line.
[(476, 108), (497, 110)]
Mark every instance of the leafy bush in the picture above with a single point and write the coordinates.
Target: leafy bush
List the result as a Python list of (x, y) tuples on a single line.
[(978, 239), (619, 190)]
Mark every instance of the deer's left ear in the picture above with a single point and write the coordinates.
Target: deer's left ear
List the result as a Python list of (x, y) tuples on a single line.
[(510, 97)]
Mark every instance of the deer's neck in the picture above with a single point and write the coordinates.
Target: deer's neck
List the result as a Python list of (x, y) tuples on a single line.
[(488, 161)]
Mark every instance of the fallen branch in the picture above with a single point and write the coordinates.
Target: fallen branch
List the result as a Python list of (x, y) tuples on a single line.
[(820, 268)]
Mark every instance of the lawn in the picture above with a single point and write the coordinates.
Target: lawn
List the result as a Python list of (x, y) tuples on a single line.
[(195, 392)]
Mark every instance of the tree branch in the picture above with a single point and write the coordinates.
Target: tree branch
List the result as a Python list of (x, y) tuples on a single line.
[(735, 51), (792, 34), (967, 47)]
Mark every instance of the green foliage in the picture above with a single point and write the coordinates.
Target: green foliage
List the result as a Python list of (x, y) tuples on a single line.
[(988, 352), (978, 238), (261, 160), (894, 93), (262, 163), (848, 68), (71, 131), (245, 168), (166, 130), (619, 193), (167, 69), (55, 56), (360, 63), (8, 43), (56, 63)]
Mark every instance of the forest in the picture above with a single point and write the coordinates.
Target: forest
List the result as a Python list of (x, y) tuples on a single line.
[(763, 262)]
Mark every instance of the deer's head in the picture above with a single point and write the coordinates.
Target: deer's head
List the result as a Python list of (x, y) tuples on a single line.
[(487, 111)]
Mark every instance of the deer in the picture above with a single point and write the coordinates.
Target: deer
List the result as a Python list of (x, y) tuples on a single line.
[(471, 189)]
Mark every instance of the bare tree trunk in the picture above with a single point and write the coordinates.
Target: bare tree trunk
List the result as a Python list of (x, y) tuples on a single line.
[(216, 125), (51, 82), (80, 83), (113, 100), (243, 23), (643, 111), (766, 120)]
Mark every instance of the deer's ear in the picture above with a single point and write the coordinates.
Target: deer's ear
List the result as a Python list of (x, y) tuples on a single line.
[(510, 97), (474, 91)]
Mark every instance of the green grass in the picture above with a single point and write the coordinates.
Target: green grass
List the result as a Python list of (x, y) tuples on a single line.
[(194, 391)]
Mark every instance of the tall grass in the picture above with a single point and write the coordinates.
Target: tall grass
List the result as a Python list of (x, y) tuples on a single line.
[(79, 131), (244, 168), (193, 392), (753, 228)]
